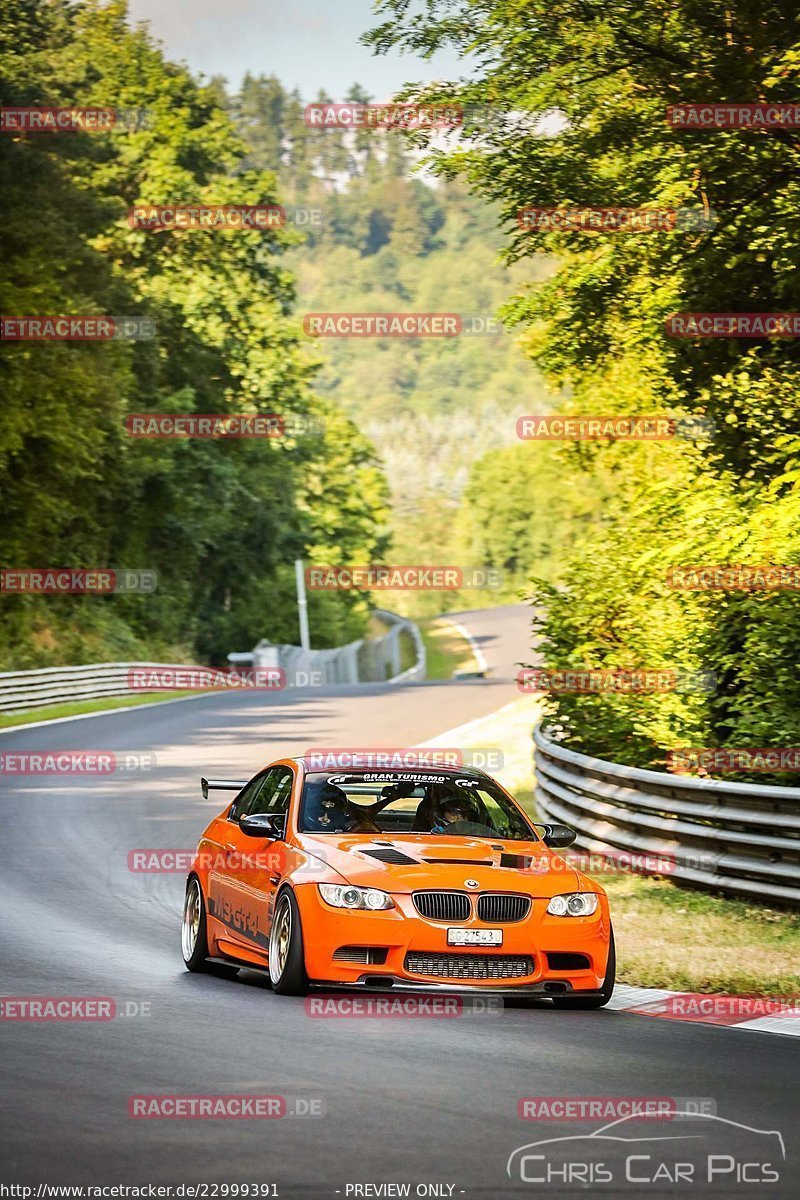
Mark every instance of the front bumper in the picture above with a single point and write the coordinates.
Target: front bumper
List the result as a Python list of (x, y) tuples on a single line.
[(402, 931)]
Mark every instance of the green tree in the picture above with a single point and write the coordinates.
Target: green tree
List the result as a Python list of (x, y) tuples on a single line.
[(221, 521), (582, 94)]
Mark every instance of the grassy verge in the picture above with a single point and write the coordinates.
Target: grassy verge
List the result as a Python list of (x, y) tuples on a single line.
[(667, 936), (675, 937), (446, 650), (77, 707)]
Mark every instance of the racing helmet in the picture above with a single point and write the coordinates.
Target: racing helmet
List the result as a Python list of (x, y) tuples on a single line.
[(453, 806), (329, 809)]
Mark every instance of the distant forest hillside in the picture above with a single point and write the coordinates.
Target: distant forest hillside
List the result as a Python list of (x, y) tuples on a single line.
[(392, 239)]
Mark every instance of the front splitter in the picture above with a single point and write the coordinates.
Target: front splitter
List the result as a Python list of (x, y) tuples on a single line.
[(393, 983)]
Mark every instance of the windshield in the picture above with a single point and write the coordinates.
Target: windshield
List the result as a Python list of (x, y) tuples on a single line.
[(401, 802)]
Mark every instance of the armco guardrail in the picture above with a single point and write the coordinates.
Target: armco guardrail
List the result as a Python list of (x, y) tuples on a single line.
[(403, 625), (368, 660), (740, 838), (23, 690)]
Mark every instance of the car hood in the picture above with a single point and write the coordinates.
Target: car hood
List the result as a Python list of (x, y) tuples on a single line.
[(396, 863)]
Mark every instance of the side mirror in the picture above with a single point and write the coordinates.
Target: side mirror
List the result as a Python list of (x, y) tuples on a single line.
[(558, 835), (263, 825)]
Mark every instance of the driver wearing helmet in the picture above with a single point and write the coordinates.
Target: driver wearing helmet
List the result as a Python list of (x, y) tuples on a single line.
[(331, 810), (450, 811), (334, 814)]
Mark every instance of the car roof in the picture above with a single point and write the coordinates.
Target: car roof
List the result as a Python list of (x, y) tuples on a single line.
[(312, 765)]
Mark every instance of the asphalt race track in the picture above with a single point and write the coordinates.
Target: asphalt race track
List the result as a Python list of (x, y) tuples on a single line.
[(410, 1101)]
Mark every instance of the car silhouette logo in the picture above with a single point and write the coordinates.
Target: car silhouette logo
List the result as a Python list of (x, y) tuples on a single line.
[(615, 1131), (471, 883)]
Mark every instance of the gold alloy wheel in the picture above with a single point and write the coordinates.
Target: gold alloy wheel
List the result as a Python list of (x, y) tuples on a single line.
[(280, 939), (191, 920)]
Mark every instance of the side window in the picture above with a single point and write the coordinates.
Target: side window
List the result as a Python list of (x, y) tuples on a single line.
[(252, 791), (279, 800), (267, 793), (502, 822), (259, 801)]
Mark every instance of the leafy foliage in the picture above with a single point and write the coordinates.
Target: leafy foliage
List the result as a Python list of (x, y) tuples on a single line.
[(390, 240), (582, 92), (220, 521)]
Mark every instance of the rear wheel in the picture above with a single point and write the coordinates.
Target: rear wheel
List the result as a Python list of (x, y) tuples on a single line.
[(287, 967), (599, 999), (194, 943)]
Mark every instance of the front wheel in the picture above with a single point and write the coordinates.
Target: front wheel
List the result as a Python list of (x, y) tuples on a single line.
[(601, 998), (287, 967)]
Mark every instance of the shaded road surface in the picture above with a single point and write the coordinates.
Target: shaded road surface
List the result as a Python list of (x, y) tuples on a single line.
[(409, 1101)]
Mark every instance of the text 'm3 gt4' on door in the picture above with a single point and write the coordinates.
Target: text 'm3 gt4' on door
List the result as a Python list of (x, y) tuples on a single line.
[(416, 879)]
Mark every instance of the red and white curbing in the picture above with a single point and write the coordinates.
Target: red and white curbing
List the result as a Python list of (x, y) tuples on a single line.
[(778, 1015)]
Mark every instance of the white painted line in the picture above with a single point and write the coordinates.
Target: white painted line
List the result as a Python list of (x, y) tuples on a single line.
[(102, 712), (626, 997), (452, 736), (478, 654), (789, 1026)]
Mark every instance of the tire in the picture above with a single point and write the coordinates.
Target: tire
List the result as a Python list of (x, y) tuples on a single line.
[(598, 999), (287, 966), (194, 943)]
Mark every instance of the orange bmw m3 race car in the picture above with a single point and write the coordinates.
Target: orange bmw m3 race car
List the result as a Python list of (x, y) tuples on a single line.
[(411, 879)]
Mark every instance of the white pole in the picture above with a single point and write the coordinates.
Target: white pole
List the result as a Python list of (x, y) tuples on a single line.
[(302, 606)]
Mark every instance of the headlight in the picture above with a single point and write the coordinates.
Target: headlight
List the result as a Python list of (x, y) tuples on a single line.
[(347, 896), (574, 904)]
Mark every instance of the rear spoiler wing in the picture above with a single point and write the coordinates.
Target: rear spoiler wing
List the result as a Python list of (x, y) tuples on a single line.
[(221, 785)]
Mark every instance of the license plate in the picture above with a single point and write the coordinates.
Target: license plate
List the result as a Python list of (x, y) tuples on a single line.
[(474, 937)]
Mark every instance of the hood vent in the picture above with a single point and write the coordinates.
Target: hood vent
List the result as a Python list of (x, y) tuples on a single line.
[(464, 862), (388, 854), (517, 862)]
